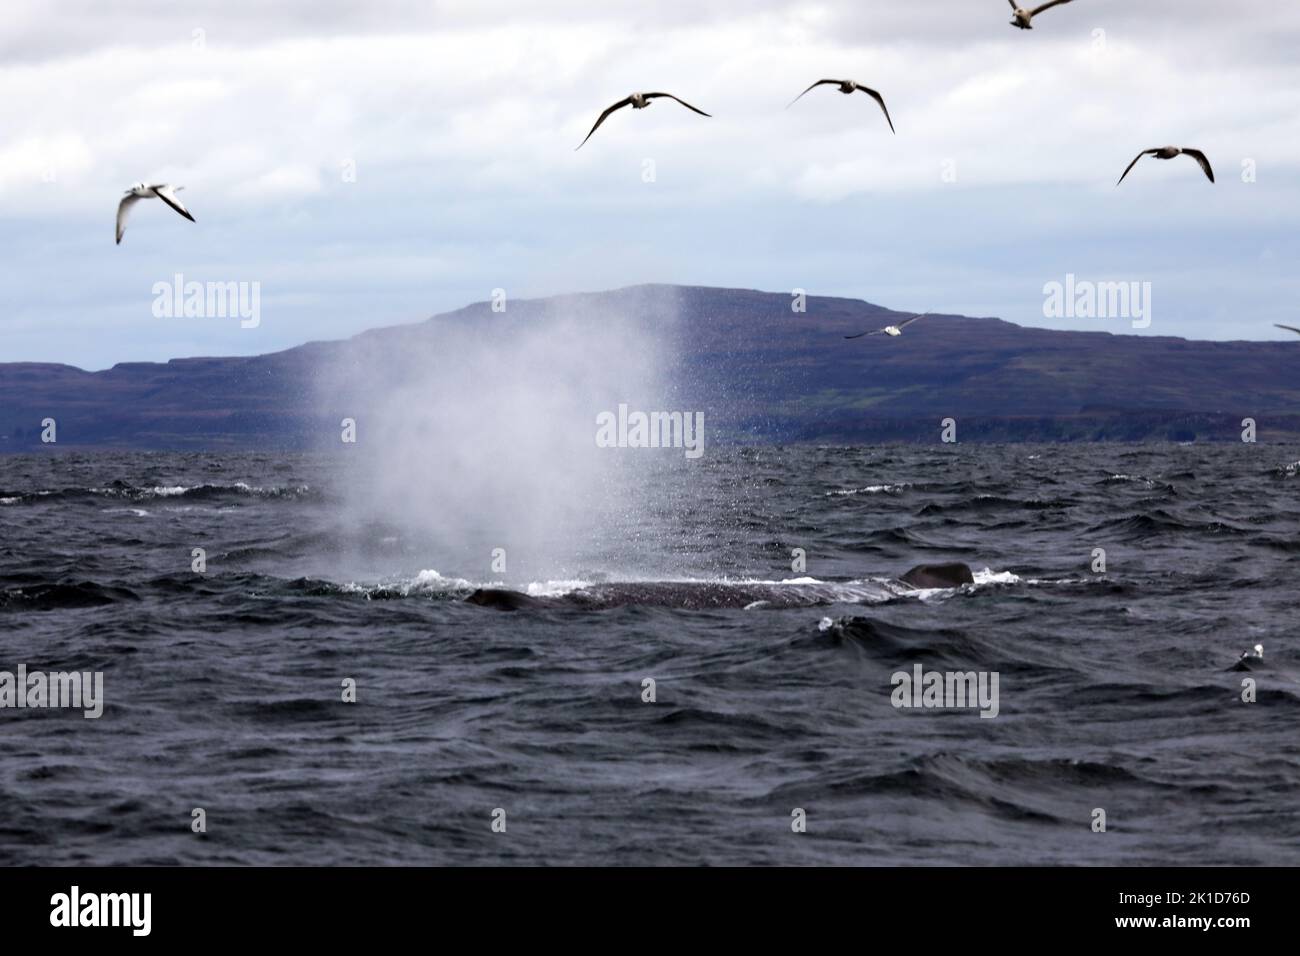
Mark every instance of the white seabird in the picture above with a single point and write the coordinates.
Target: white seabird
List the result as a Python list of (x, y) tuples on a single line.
[(849, 86), (1256, 655), (1170, 152), (1023, 18), (638, 101), (140, 191), (890, 330)]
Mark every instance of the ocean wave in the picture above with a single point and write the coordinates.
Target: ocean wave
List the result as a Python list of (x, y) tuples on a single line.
[(1020, 790), (1157, 521), (986, 502), (1124, 479), (49, 597), (427, 583), (123, 491), (871, 490), (137, 512)]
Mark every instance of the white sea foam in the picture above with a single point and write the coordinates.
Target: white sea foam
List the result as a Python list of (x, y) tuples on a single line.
[(869, 490), (542, 589), (176, 491), (989, 576), (1142, 478), (431, 581)]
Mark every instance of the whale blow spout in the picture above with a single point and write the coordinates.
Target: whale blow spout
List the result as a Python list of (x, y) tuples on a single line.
[(927, 576)]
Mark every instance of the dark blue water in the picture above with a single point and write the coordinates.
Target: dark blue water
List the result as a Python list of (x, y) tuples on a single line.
[(224, 688)]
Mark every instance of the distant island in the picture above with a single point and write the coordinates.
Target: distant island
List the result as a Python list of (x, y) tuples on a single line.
[(764, 372)]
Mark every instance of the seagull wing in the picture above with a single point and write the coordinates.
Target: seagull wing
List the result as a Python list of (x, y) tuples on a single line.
[(1289, 328), (881, 100), (124, 207), (813, 87), (651, 96), (1197, 155), (1145, 152), (617, 106), (1013, 4), (168, 195), (904, 324), (861, 334), (1046, 6)]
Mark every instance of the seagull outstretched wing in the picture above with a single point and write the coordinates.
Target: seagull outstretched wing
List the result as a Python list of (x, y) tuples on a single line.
[(168, 195), (603, 116), (809, 90), (123, 208), (1200, 157), (651, 96), (1046, 6), (1145, 152), (881, 100)]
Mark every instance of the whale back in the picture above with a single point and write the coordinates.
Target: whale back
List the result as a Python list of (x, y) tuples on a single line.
[(502, 599), (952, 575)]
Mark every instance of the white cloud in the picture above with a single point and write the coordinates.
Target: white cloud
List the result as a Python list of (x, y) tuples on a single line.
[(460, 120)]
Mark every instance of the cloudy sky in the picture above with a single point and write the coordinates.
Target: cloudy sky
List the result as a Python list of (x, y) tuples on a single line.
[(374, 163)]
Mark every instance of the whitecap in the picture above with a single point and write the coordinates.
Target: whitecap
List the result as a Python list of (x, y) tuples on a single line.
[(430, 580), (869, 490), (989, 576), (543, 589)]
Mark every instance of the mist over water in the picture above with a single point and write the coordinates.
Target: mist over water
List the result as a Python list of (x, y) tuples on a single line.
[(478, 432)]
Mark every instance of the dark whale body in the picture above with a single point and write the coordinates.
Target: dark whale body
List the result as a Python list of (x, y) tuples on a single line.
[(939, 575), (503, 600), (684, 595), (710, 595)]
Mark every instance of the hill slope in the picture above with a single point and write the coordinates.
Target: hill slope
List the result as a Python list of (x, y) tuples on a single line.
[(761, 371)]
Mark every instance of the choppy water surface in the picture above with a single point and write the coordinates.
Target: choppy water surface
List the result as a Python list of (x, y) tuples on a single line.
[(223, 689)]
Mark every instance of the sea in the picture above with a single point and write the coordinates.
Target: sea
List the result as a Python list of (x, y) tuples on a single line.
[(288, 680)]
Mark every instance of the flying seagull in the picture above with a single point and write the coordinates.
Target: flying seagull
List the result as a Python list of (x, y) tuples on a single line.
[(638, 101), (848, 86), (891, 330), (1289, 328), (140, 191), (1022, 17), (1169, 152)]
